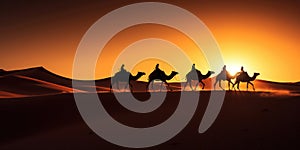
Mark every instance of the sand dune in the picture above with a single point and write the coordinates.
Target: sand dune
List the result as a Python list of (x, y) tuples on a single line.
[(269, 85), (23, 86), (34, 82), (4, 94), (38, 111), (246, 121), (39, 81), (42, 74)]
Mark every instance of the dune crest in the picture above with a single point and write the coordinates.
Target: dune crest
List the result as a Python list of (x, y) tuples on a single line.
[(38, 81)]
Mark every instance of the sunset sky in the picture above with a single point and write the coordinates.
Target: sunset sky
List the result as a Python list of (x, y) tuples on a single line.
[(263, 36)]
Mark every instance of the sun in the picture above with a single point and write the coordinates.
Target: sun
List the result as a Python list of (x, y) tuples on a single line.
[(233, 68)]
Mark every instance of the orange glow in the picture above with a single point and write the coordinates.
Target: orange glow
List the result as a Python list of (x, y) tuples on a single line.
[(146, 31), (233, 68), (262, 36)]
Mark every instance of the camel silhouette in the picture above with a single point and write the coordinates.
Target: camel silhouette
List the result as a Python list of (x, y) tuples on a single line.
[(160, 75), (197, 75), (224, 76), (124, 76), (244, 77)]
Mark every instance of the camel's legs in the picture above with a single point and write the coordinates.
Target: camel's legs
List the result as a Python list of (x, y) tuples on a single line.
[(220, 85), (203, 85), (112, 83), (252, 86), (238, 85), (196, 86), (184, 86), (118, 86), (215, 84), (168, 85), (147, 87), (190, 82), (110, 88), (126, 87), (232, 84), (161, 86), (247, 85), (130, 87), (187, 82), (228, 85), (152, 85), (218, 81), (150, 82)]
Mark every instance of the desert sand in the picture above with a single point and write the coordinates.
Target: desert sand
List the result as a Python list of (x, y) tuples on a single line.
[(38, 111)]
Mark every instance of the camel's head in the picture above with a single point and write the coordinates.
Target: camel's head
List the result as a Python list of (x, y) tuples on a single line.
[(256, 74), (211, 72), (174, 73), (141, 73)]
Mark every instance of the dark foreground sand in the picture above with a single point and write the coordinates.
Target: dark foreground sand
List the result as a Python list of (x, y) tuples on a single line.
[(247, 120)]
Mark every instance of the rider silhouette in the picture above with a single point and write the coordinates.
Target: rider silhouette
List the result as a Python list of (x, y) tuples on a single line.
[(159, 71), (157, 67), (225, 72), (122, 68), (193, 67), (242, 69), (224, 68)]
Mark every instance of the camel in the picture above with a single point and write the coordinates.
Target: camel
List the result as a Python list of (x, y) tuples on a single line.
[(160, 75), (244, 77), (199, 77), (225, 76), (124, 76)]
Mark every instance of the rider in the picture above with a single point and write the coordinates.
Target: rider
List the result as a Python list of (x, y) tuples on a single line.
[(224, 68), (195, 70), (242, 70), (225, 72), (157, 69), (122, 68), (193, 67)]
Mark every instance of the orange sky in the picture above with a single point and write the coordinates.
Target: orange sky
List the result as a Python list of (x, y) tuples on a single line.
[(261, 36)]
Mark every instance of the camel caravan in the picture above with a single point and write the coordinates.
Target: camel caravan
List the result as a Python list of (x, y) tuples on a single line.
[(193, 75), (241, 76)]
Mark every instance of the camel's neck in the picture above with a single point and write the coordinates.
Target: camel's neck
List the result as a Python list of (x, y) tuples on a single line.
[(169, 77), (207, 75), (135, 77), (253, 78)]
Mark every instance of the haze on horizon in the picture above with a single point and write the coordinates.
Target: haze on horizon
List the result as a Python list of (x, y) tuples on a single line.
[(261, 36)]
